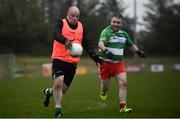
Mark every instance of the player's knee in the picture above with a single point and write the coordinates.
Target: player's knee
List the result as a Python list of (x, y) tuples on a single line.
[(58, 84), (123, 83)]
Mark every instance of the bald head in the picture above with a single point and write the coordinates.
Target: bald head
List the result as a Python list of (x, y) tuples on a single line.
[(73, 15), (73, 9)]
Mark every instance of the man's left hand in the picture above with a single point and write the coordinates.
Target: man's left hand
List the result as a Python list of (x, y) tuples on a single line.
[(68, 44), (140, 53), (97, 59)]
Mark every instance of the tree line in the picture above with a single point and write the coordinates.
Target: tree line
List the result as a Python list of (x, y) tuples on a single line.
[(163, 29), (26, 26)]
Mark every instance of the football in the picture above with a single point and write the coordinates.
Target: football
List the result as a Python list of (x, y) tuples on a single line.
[(76, 50)]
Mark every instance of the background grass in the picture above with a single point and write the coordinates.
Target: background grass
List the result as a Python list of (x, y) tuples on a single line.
[(149, 94)]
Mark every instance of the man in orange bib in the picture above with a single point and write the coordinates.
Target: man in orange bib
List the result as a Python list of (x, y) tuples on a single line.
[(67, 31)]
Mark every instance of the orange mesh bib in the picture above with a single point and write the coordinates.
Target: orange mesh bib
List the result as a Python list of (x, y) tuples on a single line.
[(59, 50)]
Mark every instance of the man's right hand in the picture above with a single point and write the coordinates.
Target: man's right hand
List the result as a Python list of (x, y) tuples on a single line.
[(109, 54), (68, 44)]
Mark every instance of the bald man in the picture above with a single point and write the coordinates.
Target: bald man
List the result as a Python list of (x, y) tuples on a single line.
[(67, 31)]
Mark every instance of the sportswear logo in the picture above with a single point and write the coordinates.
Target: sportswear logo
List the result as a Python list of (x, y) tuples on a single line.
[(58, 72), (72, 32), (117, 39)]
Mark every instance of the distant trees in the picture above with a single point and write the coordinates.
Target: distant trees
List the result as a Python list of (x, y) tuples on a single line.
[(162, 36), (22, 28), (26, 25)]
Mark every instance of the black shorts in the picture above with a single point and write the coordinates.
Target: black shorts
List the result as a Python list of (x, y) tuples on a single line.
[(61, 68)]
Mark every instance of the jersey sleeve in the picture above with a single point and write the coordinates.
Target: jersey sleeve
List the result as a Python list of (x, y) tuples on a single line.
[(129, 42), (103, 36), (57, 30)]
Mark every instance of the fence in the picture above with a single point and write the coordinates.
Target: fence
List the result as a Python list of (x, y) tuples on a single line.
[(7, 64), (12, 69)]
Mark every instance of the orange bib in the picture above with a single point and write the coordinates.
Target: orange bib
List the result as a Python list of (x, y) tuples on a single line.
[(59, 50)]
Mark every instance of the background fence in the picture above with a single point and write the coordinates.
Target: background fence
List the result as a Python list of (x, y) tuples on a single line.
[(12, 67)]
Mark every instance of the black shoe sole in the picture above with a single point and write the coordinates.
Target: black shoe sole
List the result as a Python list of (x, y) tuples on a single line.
[(46, 99)]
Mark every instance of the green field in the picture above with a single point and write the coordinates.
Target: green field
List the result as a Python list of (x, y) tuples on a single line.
[(149, 94)]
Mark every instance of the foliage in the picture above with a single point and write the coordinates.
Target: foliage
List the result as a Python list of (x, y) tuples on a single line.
[(162, 35), (26, 25), (22, 27)]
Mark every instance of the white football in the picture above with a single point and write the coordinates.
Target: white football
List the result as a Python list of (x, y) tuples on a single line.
[(76, 50)]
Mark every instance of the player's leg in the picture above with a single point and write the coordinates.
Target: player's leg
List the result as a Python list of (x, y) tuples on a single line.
[(58, 100), (63, 85), (58, 95), (57, 70), (105, 83), (104, 75), (122, 81), (48, 92)]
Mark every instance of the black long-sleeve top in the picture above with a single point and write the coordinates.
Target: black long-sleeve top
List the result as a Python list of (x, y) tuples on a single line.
[(86, 43)]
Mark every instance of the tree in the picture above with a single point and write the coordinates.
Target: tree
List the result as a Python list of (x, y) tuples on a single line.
[(22, 27), (27, 25), (161, 36)]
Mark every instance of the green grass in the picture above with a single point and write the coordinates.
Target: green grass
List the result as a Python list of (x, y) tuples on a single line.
[(149, 94)]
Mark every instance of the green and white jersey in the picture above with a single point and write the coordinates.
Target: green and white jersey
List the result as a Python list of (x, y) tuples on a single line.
[(114, 42)]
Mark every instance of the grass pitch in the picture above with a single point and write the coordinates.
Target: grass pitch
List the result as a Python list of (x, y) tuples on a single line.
[(149, 95)]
